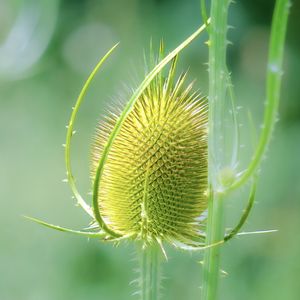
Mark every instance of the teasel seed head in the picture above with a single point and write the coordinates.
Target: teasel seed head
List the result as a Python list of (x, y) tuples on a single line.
[(154, 182)]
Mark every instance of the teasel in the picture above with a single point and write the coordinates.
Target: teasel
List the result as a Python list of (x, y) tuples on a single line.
[(148, 161), (154, 182), (148, 167)]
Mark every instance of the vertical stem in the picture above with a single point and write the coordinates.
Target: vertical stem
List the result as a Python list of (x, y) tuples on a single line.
[(215, 233), (217, 87), (217, 92), (150, 273), (216, 157)]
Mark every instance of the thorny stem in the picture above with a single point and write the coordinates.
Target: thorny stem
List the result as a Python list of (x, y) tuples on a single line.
[(274, 75), (217, 93), (150, 273)]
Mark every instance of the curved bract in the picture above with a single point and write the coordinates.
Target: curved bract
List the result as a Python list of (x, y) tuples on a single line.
[(70, 133)]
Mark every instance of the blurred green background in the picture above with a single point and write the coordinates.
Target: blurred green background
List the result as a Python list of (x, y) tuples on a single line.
[(47, 49)]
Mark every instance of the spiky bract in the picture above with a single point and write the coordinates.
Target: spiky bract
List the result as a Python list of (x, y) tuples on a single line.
[(154, 181)]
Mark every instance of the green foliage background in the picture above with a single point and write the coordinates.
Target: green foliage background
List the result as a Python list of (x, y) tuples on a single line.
[(44, 59)]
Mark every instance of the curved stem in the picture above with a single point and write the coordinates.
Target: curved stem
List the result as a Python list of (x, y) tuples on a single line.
[(245, 214), (150, 273), (274, 74)]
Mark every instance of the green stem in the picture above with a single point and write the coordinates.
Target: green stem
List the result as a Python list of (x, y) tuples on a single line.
[(217, 87), (217, 93), (150, 273), (215, 233), (274, 75)]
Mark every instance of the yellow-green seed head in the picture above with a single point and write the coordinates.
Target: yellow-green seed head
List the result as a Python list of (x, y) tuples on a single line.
[(154, 180)]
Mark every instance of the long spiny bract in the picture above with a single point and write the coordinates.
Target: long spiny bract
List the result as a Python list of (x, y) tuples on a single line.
[(155, 179)]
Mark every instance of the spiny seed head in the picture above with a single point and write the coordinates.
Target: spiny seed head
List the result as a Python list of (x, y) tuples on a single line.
[(154, 181)]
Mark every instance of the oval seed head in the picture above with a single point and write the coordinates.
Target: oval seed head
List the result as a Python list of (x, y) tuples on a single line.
[(154, 183)]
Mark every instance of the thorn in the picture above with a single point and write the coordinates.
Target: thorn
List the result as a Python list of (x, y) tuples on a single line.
[(257, 232), (134, 281), (64, 145), (208, 43), (229, 43), (223, 273), (65, 180), (274, 68)]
